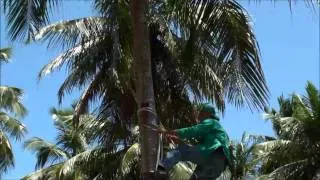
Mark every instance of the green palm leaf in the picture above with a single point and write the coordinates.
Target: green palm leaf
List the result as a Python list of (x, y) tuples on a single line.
[(265, 147), (12, 126), (224, 37), (11, 109), (288, 171), (65, 57), (69, 33), (130, 159), (295, 153), (26, 16), (6, 153), (182, 170), (5, 54), (49, 173), (90, 163), (10, 100), (46, 153)]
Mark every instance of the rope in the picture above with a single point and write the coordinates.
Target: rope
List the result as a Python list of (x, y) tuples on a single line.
[(148, 109), (154, 127), (162, 131)]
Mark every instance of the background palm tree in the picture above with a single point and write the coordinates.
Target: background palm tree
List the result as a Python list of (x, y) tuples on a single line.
[(70, 141), (80, 150), (295, 154), (245, 165), (11, 110)]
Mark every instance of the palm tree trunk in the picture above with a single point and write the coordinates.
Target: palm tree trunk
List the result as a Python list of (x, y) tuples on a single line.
[(144, 90), (316, 176)]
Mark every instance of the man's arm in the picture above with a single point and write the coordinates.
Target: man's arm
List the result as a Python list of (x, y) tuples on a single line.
[(196, 131)]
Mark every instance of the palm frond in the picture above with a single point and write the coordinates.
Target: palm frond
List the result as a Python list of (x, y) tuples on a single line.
[(66, 57), (48, 173), (73, 138), (6, 153), (293, 155), (244, 163), (71, 149), (263, 177), (46, 152), (10, 100), (288, 171), (91, 162), (312, 102), (93, 89), (61, 117), (130, 159), (182, 170), (226, 174), (25, 17), (224, 37), (286, 127), (12, 126), (71, 32), (5, 54), (263, 148), (73, 141), (94, 57)]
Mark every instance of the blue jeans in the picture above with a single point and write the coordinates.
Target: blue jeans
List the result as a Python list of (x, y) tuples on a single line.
[(182, 153), (207, 168)]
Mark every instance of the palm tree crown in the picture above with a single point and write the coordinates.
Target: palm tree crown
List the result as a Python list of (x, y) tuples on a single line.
[(295, 154), (11, 110)]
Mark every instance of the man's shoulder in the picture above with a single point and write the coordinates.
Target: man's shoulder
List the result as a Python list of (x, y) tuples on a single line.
[(213, 124), (210, 121)]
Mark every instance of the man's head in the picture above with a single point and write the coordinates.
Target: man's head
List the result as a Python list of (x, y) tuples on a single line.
[(206, 111)]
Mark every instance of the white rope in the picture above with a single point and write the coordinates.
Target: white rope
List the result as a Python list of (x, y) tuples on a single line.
[(148, 109)]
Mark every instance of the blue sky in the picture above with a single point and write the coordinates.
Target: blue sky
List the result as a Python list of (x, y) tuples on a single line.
[(289, 44)]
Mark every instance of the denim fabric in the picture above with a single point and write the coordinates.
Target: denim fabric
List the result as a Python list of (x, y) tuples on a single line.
[(182, 153), (207, 168), (212, 168)]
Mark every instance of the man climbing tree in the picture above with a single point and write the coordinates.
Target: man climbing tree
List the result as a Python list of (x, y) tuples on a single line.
[(211, 153)]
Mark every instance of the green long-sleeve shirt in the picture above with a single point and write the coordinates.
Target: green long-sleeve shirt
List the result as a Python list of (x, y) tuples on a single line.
[(210, 135)]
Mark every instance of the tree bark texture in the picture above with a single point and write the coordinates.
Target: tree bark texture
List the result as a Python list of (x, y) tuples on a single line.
[(316, 176), (149, 139)]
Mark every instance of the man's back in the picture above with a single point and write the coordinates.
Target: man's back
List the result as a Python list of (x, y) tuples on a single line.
[(210, 135), (211, 150)]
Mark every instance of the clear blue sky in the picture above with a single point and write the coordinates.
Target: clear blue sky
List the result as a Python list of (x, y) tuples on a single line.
[(290, 56)]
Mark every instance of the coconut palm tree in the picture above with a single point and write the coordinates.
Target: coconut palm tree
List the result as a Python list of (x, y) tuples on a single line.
[(81, 150), (295, 154), (57, 160), (70, 141), (189, 61), (244, 165), (176, 32), (11, 110), (208, 46)]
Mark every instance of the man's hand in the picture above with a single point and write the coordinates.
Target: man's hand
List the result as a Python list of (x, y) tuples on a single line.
[(172, 137)]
